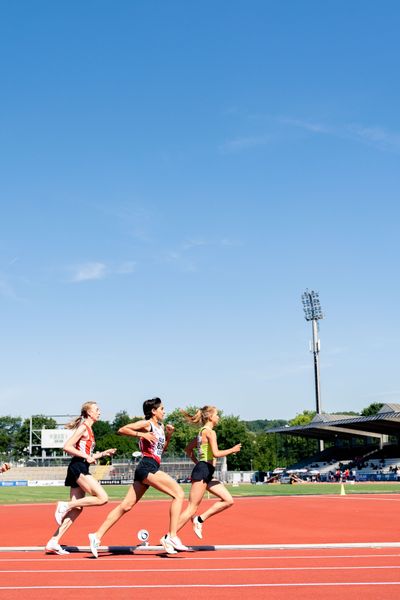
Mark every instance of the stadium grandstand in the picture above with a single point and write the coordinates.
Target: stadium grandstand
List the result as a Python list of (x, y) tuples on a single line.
[(367, 447)]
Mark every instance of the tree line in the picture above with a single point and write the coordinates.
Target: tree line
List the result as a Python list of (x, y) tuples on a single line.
[(260, 450)]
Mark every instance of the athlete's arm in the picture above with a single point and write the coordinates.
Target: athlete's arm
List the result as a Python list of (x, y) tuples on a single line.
[(169, 430), (101, 454), (212, 440), (139, 429)]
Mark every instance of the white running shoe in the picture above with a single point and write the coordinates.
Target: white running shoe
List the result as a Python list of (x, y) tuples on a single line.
[(94, 544), (197, 527), (177, 544), (61, 511), (53, 547), (166, 543)]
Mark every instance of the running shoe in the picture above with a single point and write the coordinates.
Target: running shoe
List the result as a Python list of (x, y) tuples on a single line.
[(61, 511), (53, 547), (177, 544), (94, 543), (197, 527), (167, 545)]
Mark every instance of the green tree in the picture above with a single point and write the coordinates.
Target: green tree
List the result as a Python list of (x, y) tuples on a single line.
[(125, 445), (372, 409), (5, 442), (231, 431), (264, 452), (9, 428), (303, 418), (107, 436), (100, 429), (122, 418)]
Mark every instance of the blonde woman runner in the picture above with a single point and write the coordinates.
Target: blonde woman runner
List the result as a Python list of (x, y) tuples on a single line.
[(80, 446), (153, 441), (203, 471)]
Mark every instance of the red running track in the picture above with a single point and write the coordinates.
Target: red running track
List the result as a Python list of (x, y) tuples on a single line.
[(274, 574)]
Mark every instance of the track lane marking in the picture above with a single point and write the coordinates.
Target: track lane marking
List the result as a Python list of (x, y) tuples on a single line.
[(213, 558), (208, 585), (191, 570)]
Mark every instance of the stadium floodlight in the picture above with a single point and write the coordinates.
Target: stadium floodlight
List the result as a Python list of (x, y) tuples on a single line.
[(313, 312), (312, 306)]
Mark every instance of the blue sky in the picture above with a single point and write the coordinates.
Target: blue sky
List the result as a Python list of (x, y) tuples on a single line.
[(173, 176)]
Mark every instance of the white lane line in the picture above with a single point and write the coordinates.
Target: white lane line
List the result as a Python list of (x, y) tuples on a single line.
[(350, 493), (202, 585), (139, 558), (191, 570)]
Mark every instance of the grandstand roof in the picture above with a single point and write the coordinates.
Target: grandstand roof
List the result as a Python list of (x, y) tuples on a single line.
[(329, 427)]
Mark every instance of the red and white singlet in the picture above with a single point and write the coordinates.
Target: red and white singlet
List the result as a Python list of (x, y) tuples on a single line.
[(153, 449), (86, 444)]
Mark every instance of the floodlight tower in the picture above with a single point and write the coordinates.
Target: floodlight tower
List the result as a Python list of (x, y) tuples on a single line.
[(313, 313)]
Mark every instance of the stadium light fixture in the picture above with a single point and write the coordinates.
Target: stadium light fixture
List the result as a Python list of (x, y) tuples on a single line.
[(312, 306), (313, 312)]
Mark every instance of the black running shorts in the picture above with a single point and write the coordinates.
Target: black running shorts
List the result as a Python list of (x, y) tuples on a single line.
[(77, 467), (146, 465), (203, 471)]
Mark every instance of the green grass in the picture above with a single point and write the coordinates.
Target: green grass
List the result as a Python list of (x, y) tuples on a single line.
[(24, 495)]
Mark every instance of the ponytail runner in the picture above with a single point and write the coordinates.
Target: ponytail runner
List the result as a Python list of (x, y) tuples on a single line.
[(201, 416), (78, 420), (202, 476), (80, 446)]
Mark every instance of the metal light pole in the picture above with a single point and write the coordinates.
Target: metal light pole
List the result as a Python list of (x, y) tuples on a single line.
[(313, 313)]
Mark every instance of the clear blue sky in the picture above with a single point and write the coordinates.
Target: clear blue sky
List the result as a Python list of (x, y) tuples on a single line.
[(173, 175)]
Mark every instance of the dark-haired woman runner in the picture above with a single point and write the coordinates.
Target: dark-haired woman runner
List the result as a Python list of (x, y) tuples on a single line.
[(153, 441)]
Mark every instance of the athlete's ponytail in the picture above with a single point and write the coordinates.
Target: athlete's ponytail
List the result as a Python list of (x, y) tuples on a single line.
[(78, 420), (201, 416)]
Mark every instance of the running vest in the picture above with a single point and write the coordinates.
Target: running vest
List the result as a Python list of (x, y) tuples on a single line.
[(204, 451), (153, 449), (86, 445)]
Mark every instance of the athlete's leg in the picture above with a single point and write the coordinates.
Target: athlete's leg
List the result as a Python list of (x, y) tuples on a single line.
[(163, 482), (89, 485), (133, 496), (225, 499), (197, 491), (76, 493)]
